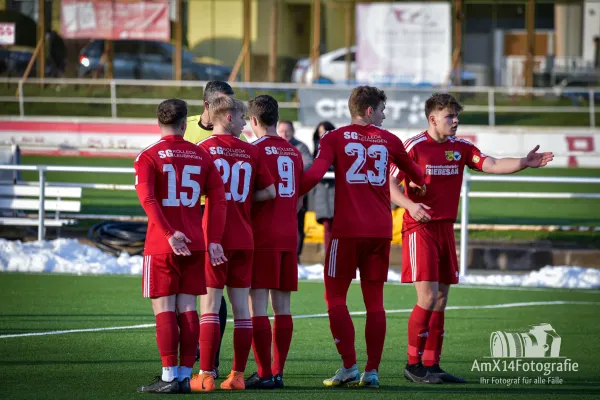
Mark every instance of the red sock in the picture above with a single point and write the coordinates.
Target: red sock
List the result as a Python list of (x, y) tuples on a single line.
[(167, 338), (282, 339), (340, 322), (376, 323), (189, 330), (210, 335), (342, 330), (418, 327), (242, 342), (261, 343), (433, 346)]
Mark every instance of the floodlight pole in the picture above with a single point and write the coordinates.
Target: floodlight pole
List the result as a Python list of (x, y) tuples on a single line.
[(316, 47), (42, 40), (530, 22), (273, 42), (177, 64), (247, 37)]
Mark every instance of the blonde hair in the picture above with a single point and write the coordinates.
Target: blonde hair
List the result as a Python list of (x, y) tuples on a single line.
[(224, 105)]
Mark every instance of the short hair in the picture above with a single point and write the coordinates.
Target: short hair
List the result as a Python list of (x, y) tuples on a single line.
[(363, 97), (215, 89), (440, 101), (265, 109), (224, 105), (290, 123), (172, 112)]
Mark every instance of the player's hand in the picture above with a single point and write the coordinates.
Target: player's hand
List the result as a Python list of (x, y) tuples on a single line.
[(178, 242), (537, 160), (419, 212), (216, 254), (418, 190)]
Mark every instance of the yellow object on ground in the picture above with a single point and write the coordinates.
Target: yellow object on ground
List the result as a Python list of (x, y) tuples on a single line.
[(315, 234)]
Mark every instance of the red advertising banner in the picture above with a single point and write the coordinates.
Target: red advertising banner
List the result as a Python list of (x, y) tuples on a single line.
[(116, 19)]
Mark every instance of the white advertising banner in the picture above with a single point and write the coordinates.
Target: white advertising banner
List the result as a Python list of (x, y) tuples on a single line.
[(403, 43), (591, 28)]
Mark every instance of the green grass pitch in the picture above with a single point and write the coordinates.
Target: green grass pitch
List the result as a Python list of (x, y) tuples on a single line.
[(110, 364)]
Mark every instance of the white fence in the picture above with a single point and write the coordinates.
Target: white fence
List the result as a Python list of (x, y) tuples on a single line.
[(290, 89), (466, 193)]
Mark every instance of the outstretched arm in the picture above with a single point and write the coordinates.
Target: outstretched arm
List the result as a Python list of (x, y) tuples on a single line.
[(534, 159), (313, 175)]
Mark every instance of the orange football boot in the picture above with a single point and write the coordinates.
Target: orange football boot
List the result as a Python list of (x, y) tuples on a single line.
[(235, 381), (204, 382)]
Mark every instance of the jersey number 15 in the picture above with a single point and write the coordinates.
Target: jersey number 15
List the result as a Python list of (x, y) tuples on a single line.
[(172, 199)]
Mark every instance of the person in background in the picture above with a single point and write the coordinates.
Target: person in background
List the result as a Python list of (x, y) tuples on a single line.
[(325, 190), (285, 129)]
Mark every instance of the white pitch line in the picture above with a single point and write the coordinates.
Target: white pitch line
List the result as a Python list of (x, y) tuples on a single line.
[(404, 310)]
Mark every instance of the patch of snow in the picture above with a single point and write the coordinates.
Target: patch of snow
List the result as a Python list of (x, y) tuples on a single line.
[(70, 256)]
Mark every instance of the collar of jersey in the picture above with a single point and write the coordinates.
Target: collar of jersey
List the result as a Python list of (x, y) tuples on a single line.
[(173, 137)]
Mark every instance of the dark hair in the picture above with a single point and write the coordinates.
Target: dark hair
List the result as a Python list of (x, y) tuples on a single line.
[(172, 112), (290, 123), (265, 109), (214, 89), (363, 97), (439, 101), (328, 127)]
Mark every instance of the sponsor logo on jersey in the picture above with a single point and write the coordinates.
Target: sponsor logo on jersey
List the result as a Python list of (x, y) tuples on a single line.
[(441, 169), (457, 155), (476, 159), (450, 155)]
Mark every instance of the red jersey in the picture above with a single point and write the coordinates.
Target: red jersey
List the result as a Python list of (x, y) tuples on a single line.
[(443, 164), (275, 222), (361, 156), (170, 176), (242, 170)]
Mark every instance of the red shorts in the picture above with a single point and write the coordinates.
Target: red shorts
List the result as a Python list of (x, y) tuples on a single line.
[(429, 254), (236, 272), (370, 255), (275, 270), (168, 274)]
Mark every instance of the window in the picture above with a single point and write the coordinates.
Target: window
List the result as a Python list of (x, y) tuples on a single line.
[(342, 58)]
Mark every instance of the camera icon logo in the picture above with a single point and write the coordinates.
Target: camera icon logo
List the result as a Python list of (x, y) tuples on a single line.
[(541, 341)]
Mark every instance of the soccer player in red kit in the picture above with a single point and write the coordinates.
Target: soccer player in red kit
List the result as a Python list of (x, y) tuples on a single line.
[(275, 269), (362, 225), (171, 174), (429, 251), (246, 179)]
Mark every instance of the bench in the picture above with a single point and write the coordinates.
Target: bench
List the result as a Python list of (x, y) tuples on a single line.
[(16, 199)]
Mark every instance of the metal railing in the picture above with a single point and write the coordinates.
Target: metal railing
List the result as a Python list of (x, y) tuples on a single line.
[(290, 89), (466, 193)]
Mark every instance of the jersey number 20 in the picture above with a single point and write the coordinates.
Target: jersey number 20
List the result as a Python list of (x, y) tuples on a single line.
[(231, 174), (377, 152), (172, 199)]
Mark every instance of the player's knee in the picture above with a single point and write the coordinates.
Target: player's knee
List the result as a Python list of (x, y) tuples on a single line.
[(427, 300)]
